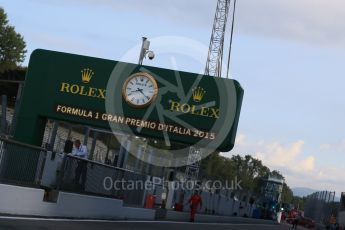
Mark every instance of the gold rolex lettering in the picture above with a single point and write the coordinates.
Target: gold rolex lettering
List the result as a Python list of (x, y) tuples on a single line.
[(174, 106), (211, 112), (185, 108), (92, 92), (64, 87), (101, 93), (82, 90), (75, 89), (204, 111), (194, 111), (214, 113)]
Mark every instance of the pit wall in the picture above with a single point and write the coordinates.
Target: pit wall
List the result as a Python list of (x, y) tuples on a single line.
[(16, 200)]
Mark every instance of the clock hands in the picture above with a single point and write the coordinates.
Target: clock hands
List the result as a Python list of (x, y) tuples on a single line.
[(140, 91)]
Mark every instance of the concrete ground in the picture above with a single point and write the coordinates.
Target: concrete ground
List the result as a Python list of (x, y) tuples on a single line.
[(299, 227), (16, 223)]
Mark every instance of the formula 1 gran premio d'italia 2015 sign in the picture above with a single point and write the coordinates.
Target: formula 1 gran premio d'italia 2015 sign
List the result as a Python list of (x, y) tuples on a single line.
[(146, 101)]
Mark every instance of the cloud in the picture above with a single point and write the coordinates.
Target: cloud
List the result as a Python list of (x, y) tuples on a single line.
[(194, 12), (240, 139), (335, 146), (276, 155), (299, 168), (317, 22), (312, 21), (322, 178)]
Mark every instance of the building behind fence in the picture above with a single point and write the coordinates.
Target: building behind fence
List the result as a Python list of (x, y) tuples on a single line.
[(320, 206), (33, 166), (341, 214), (26, 165)]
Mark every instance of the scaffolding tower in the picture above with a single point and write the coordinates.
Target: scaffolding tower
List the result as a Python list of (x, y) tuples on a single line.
[(213, 68)]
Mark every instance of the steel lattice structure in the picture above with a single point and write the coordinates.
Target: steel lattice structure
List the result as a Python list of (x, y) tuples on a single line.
[(193, 163), (213, 68), (216, 48)]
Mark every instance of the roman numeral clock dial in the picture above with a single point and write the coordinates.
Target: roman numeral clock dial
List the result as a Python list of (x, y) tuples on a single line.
[(140, 90)]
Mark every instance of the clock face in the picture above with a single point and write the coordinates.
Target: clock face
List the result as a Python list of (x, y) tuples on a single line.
[(140, 90)]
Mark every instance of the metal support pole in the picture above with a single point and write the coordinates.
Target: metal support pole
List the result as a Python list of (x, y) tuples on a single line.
[(142, 157), (149, 162), (138, 157), (163, 169), (53, 135), (144, 47), (333, 197), (16, 109), (86, 135), (121, 152), (106, 159), (3, 113), (126, 153), (120, 158), (69, 132), (93, 145)]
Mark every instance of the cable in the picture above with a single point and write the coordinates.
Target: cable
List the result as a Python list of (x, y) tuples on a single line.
[(231, 37)]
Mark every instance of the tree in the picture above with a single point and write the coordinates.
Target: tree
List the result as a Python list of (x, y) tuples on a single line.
[(287, 194), (250, 171), (12, 45), (277, 174), (299, 202)]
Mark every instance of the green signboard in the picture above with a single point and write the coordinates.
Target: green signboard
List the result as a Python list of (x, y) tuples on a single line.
[(146, 101)]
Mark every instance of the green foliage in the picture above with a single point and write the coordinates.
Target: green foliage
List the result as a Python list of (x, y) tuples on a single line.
[(249, 170), (299, 202), (277, 175), (12, 45), (287, 194)]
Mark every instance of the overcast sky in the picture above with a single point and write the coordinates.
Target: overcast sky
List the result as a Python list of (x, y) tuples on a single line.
[(288, 55)]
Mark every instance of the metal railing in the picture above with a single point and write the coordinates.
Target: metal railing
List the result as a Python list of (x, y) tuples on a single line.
[(90, 177), (25, 165), (20, 164), (8, 121), (320, 206)]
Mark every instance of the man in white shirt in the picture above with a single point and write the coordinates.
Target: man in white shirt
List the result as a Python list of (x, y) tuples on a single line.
[(79, 150), (81, 170)]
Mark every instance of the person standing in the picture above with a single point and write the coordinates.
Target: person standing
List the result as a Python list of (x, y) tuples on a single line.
[(296, 221), (194, 202), (81, 170)]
